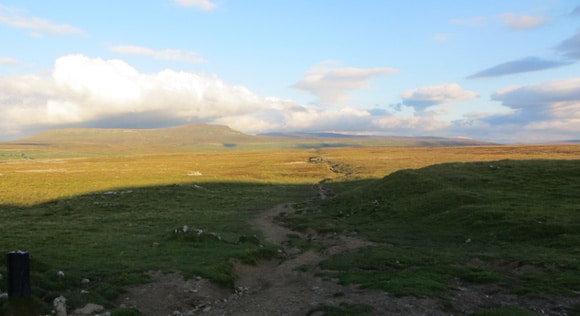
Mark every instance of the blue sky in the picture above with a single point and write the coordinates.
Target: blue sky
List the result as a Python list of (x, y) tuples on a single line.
[(504, 71)]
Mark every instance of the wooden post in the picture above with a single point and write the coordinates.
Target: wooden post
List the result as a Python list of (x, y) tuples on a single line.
[(18, 274)]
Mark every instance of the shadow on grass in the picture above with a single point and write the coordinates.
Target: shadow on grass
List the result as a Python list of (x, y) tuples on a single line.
[(112, 237)]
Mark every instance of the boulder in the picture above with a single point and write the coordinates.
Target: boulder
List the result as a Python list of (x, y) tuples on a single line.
[(59, 305)]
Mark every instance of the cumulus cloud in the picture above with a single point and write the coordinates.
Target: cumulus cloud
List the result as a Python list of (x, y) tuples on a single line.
[(521, 22), (94, 92), (201, 4), (427, 96), (332, 84), (166, 54), (82, 90), (518, 66), (570, 47), (38, 27)]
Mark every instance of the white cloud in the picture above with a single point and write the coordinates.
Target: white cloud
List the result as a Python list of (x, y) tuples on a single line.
[(82, 90), (38, 26), (7, 60), (521, 22), (201, 4), (423, 97), (166, 54), (331, 84)]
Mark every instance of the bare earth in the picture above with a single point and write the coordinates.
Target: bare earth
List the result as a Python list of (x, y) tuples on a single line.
[(277, 287)]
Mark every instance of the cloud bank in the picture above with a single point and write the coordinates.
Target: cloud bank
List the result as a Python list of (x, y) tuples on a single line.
[(94, 92), (332, 84)]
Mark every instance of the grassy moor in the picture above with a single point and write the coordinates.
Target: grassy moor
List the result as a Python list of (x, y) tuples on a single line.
[(448, 228)]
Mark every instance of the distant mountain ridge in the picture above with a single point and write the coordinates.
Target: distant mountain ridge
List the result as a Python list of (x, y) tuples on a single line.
[(220, 136)]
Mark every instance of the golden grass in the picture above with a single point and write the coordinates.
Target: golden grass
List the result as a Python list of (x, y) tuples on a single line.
[(377, 162), (30, 181), (26, 182)]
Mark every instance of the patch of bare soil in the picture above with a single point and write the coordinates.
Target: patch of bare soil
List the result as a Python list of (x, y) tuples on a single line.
[(168, 293)]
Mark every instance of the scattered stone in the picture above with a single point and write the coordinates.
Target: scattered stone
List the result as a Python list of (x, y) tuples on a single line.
[(60, 274), (59, 305), (85, 281)]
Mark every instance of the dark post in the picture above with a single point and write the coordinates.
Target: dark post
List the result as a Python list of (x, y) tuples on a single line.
[(18, 274)]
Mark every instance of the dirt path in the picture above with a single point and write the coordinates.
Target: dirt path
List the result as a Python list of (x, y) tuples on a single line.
[(287, 286), (290, 286)]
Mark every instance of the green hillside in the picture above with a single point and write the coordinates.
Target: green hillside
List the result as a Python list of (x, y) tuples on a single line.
[(512, 223), (173, 136)]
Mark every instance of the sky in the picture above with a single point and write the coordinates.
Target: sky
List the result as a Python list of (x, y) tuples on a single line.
[(503, 71)]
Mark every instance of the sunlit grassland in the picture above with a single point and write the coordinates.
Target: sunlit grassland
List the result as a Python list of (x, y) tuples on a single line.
[(30, 181), (110, 217), (376, 162)]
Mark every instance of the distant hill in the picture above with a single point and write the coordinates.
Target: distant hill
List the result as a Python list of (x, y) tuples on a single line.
[(180, 135), (380, 140), (208, 136)]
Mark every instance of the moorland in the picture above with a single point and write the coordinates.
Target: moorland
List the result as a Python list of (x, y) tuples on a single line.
[(291, 224)]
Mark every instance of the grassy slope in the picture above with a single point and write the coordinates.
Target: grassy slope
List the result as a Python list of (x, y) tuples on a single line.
[(515, 223)]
